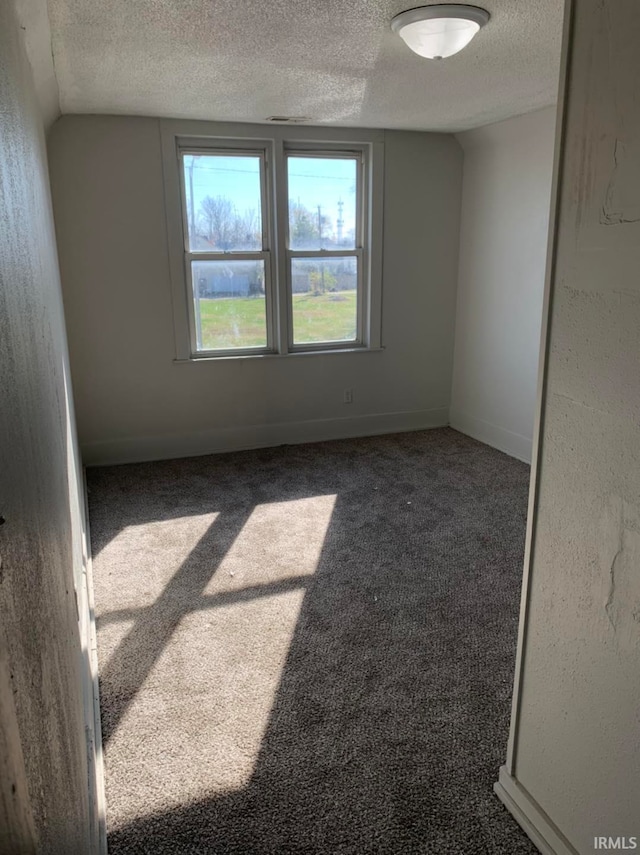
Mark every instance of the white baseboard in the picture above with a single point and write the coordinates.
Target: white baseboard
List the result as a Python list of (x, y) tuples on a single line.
[(505, 440), (529, 815), (168, 446)]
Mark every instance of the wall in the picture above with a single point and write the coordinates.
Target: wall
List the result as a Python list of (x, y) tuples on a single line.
[(573, 770), (33, 19), (134, 402), (503, 248), (44, 771)]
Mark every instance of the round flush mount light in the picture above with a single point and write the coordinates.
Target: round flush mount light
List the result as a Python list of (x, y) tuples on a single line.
[(436, 32)]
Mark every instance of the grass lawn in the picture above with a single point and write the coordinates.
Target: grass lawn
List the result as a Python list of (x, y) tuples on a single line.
[(240, 321)]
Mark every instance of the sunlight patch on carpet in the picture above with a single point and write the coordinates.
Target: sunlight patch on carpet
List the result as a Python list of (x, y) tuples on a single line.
[(196, 727), (280, 540), (196, 724), (135, 577)]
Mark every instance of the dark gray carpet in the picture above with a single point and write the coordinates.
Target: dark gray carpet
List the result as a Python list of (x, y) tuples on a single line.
[(310, 649)]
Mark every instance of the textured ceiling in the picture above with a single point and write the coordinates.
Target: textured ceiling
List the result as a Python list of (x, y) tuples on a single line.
[(333, 61)]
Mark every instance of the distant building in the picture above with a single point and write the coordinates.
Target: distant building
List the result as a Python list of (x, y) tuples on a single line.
[(236, 279)]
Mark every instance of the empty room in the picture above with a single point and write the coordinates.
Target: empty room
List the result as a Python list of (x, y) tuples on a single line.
[(320, 495)]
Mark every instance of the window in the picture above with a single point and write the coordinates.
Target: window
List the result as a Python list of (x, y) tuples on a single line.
[(324, 247), (271, 244), (226, 249)]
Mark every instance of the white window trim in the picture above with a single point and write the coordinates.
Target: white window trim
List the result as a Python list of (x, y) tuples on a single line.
[(275, 142)]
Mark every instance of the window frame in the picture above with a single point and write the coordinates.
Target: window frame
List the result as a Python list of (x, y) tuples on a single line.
[(359, 252), (179, 138), (263, 254)]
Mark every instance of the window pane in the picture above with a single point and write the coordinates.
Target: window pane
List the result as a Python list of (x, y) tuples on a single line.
[(325, 299), (322, 202), (224, 202), (230, 306)]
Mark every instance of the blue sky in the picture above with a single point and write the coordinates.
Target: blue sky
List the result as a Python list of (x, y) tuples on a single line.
[(313, 181)]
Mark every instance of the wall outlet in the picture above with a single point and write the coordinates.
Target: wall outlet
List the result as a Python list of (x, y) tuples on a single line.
[(348, 396)]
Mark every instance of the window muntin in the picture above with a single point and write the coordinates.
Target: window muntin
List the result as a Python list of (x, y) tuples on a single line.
[(227, 240), (324, 248)]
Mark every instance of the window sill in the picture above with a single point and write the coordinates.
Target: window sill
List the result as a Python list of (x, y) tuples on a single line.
[(295, 353)]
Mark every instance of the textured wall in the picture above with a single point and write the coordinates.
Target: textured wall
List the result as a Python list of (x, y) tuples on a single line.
[(576, 750), (134, 402), (503, 252), (43, 749)]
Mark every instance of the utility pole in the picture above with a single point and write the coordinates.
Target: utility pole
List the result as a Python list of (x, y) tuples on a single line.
[(340, 222)]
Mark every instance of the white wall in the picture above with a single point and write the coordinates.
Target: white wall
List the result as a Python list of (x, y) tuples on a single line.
[(44, 773), (134, 402), (503, 248), (573, 772)]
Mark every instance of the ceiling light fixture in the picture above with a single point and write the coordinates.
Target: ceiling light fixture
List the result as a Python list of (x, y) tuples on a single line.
[(436, 32)]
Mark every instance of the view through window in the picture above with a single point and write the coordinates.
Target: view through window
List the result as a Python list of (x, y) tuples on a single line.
[(225, 248), (323, 247), (247, 291)]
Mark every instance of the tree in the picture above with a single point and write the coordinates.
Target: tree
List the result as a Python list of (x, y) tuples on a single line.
[(322, 280), (303, 226), (222, 226), (216, 221), (307, 228), (251, 228)]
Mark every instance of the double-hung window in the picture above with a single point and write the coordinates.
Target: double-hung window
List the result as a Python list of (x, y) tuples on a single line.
[(271, 246), (226, 247), (325, 248)]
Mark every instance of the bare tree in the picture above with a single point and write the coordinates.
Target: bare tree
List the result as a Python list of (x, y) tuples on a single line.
[(252, 228), (224, 228), (217, 221)]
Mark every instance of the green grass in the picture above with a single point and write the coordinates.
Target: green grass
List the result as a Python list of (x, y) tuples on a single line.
[(233, 322), (240, 321)]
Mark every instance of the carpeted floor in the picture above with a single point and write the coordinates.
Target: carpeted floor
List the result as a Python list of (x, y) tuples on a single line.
[(310, 649)]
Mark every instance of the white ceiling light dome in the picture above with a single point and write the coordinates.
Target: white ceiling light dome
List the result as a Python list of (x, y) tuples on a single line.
[(436, 32)]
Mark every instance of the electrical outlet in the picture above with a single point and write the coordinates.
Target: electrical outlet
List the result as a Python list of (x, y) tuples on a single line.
[(348, 396)]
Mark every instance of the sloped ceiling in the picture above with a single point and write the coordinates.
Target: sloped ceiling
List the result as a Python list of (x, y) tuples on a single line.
[(332, 61), (34, 22)]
